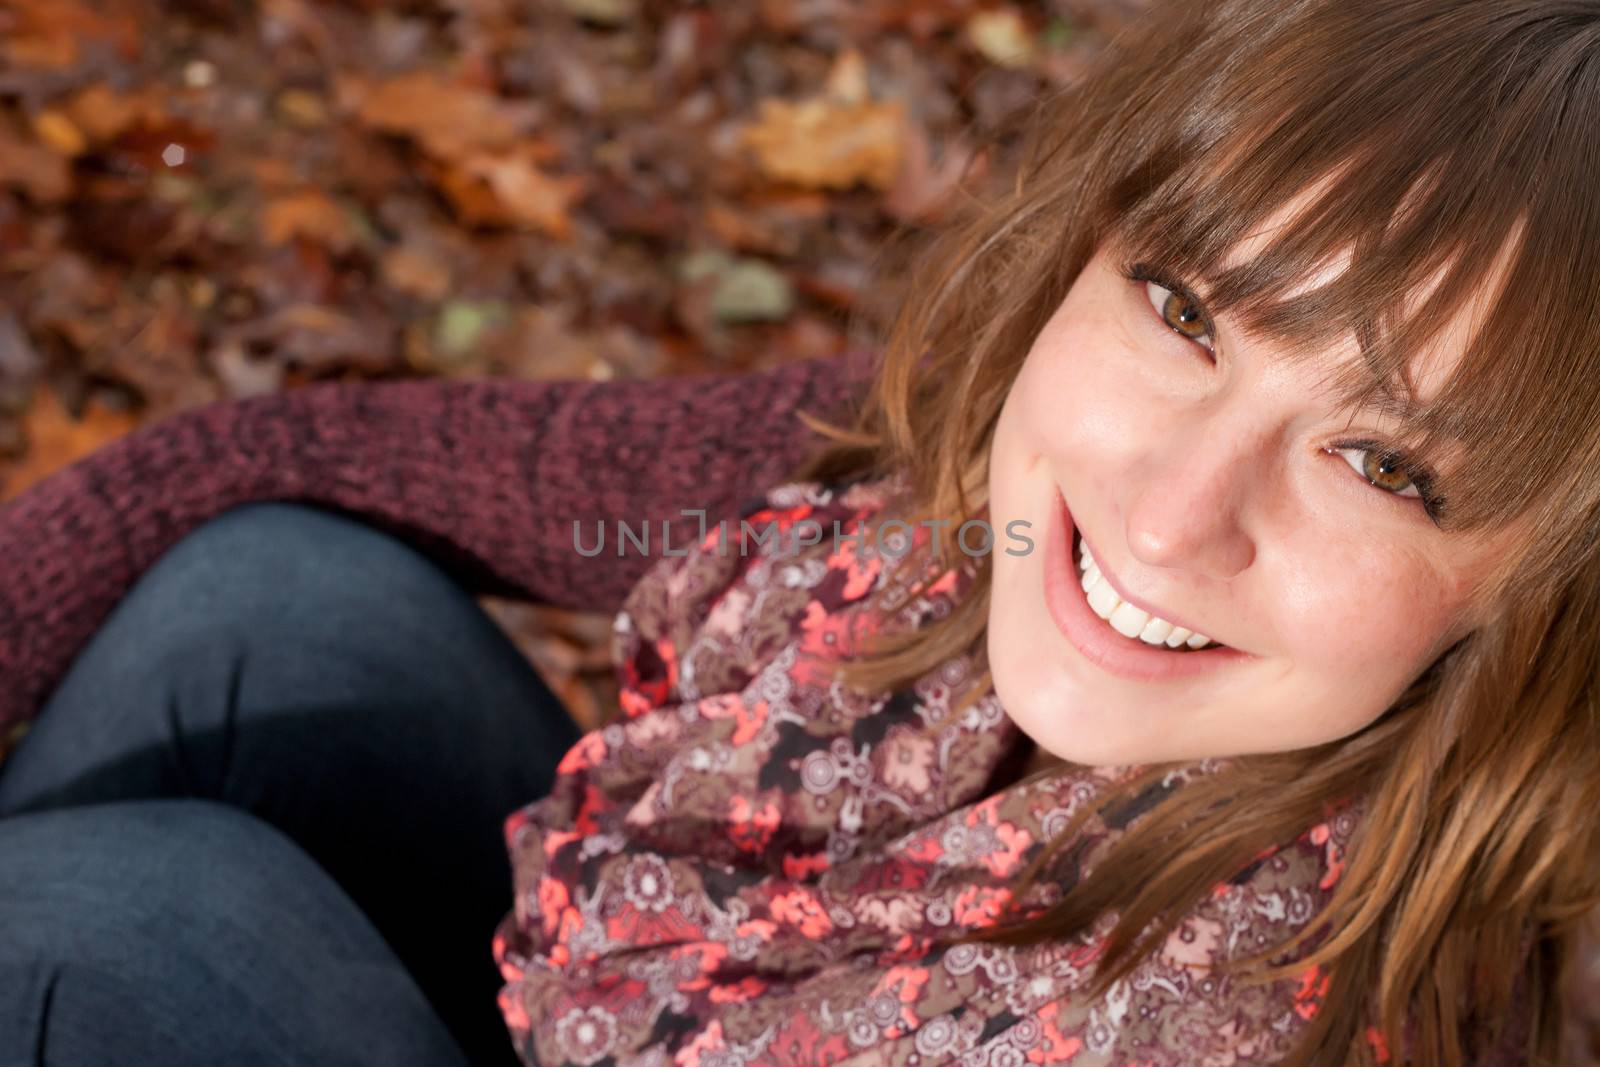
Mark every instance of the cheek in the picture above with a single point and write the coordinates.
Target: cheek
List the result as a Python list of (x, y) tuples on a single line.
[(1067, 403), (1350, 613)]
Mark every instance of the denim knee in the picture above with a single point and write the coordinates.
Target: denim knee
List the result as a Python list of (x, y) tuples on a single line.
[(184, 932), (270, 609), (290, 610), (276, 567)]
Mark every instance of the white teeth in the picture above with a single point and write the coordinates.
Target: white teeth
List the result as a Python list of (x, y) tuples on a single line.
[(1155, 631), (1128, 620), (1125, 618), (1102, 598)]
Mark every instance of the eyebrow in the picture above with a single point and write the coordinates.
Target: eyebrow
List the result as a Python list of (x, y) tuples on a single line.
[(1401, 405), (1398, 403)]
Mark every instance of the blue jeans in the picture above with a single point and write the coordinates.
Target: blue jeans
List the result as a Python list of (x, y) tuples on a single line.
[(259, 821)]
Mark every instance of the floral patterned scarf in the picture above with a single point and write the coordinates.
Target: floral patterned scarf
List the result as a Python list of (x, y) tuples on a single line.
[(749, 867)]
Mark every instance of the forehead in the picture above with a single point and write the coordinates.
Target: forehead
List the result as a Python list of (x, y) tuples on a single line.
[(1431, 366)]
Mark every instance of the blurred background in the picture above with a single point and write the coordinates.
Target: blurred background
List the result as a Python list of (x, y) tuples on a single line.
[(209, 199)]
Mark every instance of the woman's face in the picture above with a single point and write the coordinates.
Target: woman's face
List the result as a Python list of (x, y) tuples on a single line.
[(1217, 490)]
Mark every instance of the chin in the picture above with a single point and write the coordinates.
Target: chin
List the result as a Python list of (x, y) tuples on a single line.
[(1049, 706)]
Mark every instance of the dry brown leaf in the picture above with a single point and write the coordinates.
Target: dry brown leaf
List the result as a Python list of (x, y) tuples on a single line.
[(413, 270), (748, 231), (55, 129), (160, 359), (447, 119), (242, 376), (42, 173), (510, 189), (56, 439), (530, 196), (847, 78), (1003, 37), (317, 336), (834, 139), (301, 108), (102, 113), (822, 144), (310, 214), (51, 33)]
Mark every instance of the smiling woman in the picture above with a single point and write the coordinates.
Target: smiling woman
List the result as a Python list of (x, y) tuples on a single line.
[(1278, 369), (1286, 340), (1222, 492)]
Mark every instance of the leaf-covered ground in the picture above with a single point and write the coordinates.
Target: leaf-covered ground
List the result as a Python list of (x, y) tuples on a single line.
[(206, 199)]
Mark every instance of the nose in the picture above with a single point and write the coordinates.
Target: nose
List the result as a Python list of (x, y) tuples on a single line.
[(1187, 497)]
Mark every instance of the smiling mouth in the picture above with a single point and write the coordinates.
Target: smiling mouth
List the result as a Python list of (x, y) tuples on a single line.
[(1127, 620)]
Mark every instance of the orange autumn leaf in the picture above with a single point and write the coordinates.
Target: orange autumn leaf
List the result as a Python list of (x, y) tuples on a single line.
[(59, 132), (511, 190), (310, 214), (832, 140), (56, 439), (42, 173), (54, 34), (102, 114), (447, 119), (529, 194)]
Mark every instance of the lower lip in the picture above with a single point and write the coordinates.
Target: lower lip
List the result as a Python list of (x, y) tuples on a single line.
[(1094, 637)]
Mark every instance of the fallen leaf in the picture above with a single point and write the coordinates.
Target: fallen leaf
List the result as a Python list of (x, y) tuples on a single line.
[(316, 338), (751, 290), (821, 143), (511, 190), (56, 439), (44, 175), (414, 270), (749, 231), (55, 129), (847, 78), (310, 214), (52, 34), (1002, 37), (447, 119), (301, 108), (102, 113), (462, 324)]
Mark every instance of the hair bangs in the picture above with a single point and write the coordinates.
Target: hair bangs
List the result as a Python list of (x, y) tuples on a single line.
[(1457, 243)]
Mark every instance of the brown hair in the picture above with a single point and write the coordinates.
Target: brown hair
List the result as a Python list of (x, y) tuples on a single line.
[(1443, 141)]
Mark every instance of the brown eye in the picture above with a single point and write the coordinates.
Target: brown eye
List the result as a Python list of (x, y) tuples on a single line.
[(1385, 470), (1382, 469), (1178, 312)]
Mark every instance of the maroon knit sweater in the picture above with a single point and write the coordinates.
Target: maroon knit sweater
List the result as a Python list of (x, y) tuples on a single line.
[(486, 477)]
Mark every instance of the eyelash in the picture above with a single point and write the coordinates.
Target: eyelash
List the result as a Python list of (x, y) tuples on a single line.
[(1423, 479)]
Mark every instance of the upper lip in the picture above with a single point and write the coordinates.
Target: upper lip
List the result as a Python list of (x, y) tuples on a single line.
[(1105, 572)]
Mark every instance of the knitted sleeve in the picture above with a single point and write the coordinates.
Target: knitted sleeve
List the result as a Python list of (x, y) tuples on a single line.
[(487, 477)]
